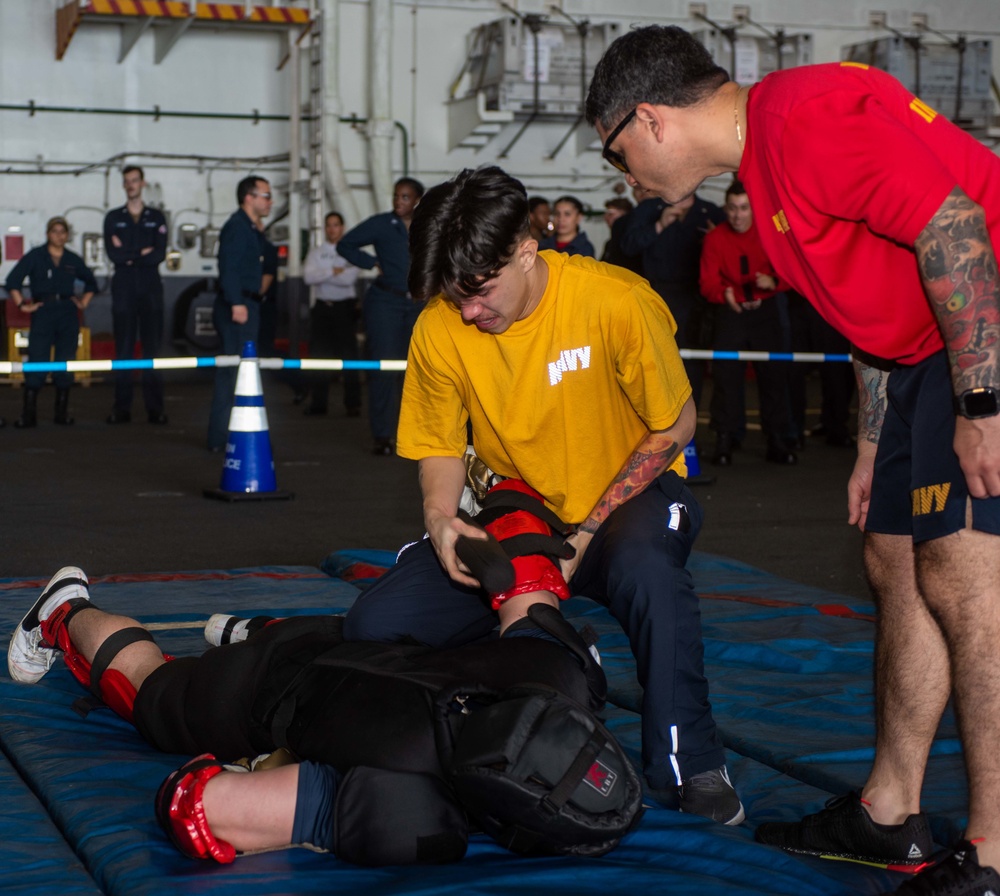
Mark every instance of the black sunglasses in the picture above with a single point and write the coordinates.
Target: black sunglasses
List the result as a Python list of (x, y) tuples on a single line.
[(613, 156)]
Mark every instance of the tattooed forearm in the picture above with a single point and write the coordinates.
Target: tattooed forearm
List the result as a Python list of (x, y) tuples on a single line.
[(958, 266), (871, 401), (647, 462)]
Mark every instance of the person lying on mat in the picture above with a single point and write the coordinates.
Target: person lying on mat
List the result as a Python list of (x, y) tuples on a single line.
[(569, 375), (392, 749)]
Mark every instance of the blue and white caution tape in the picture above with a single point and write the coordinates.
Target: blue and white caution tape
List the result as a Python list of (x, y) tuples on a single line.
[(807, 357), (10, 367), (104, 366)]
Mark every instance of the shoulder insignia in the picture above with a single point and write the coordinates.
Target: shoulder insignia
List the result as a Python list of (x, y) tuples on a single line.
[(923, 110)]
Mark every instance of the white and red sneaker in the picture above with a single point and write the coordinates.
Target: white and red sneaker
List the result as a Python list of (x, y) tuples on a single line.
[(30, 656)]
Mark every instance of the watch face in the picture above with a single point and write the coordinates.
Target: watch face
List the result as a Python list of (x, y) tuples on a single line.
[(979, 403)]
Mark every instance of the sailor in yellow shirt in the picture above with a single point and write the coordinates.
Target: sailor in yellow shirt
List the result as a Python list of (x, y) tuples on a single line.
[(568, 372)]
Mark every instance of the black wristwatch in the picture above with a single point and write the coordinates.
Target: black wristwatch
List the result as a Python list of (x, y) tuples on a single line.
[(975, 404)]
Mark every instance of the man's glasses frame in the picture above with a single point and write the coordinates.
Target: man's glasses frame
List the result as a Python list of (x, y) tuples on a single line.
[(612, 156)]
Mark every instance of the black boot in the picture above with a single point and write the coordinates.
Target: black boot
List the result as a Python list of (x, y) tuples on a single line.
[(29, 416), (723, 454), (62, 408), (780, 453)]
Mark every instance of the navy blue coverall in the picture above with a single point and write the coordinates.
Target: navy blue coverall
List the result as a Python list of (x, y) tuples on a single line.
[(389, 311), (137, 298), (670, 262), (57, 323), (241, 274)]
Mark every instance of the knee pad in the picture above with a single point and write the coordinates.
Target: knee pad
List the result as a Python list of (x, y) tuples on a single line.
[(108, 687), (531, 536), (397, 818), (180, 810)]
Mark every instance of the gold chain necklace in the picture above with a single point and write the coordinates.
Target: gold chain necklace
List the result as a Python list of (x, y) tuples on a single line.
[(736, 118)]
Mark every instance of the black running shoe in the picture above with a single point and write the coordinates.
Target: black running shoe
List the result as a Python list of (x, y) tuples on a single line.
[(712, 795), (958, 873), (845, 831)]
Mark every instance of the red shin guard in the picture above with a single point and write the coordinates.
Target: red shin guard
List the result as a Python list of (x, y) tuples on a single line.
[(109, 686), (533, 573), (180, 809), (525, 530)]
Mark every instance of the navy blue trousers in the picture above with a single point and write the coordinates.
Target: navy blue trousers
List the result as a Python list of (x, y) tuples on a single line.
[(634, 566), (389, 321), (137, 312), (55, 329), (232, 336), (333, 334)]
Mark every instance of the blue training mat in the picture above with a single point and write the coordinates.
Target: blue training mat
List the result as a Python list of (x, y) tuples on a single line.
[(790, 670)]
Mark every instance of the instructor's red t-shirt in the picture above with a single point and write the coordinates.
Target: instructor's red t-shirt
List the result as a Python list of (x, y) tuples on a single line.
[(844, 168)]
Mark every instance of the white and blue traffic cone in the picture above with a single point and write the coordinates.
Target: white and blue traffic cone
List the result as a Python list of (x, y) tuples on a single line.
[(248, 470), (694, 476)]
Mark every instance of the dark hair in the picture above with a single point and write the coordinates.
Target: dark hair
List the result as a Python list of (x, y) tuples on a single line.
[(572, 200), (413, 183), (464, 231), (620, 203), (658, 64), (247, 186), (128, 169), (736, 188), (336, 215), (536, 201)]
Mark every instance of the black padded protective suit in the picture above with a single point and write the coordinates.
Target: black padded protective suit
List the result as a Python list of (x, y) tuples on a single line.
[(537, 771)]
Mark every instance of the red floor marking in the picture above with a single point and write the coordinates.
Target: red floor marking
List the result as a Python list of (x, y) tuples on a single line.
[(843, 610), (826, 609), (125, 578)]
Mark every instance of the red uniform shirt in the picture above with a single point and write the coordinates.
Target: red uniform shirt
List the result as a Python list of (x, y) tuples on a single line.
[(844, 168), (733, 259)]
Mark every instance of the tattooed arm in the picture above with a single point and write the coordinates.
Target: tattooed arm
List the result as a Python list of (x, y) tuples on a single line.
[(958, 266), (653, 455), (871, 414)]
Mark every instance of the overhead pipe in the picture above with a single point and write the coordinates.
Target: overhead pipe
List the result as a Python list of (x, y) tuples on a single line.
[(334, 177), (295, 290), (294, 269), (156, 113), (380, 81)]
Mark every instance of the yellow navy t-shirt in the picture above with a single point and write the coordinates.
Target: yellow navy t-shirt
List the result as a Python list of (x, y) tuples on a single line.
[(563, 397)]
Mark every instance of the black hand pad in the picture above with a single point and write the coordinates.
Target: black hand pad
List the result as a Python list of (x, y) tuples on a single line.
[(487, 561)]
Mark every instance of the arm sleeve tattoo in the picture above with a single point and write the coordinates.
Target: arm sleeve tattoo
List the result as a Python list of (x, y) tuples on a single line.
[(871, 401), (958, 266), (654, 455)]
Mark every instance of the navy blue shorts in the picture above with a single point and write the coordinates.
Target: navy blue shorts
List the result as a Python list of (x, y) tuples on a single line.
[(918, 487)]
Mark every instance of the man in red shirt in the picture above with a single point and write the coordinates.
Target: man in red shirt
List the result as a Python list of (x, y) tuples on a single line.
[(738, 281), (887, 218)]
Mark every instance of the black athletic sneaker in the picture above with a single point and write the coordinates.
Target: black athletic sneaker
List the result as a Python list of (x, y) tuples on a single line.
[(711, 795), (845, 831), (958, 873)]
